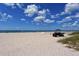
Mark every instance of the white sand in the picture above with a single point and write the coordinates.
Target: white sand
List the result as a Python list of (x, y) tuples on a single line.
[(33, 44)]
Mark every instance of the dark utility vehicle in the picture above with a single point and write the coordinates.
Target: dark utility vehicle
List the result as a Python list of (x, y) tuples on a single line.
[(57, 33)]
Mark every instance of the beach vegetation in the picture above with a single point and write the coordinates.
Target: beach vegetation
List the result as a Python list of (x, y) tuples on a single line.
[(71, 42)]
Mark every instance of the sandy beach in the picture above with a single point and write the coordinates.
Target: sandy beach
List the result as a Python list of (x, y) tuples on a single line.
[(33, 44)]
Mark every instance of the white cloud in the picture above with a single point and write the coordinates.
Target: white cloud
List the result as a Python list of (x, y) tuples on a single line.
[(71, 7), (39, 18), (76, 16), (75, 23), (67, 25), (9, 16), (53, 16), (42, 16), (14, 5), (62, 13), (57, 15), (42, 19), (66, 19), (5, 16), (10, 4), (34, 9), (70, 18), (43, 12), (70, 21), (49, 21), (19, 5), (23, 19), (31, 10)]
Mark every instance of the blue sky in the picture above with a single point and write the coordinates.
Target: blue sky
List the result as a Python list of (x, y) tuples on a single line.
[(40, 16)]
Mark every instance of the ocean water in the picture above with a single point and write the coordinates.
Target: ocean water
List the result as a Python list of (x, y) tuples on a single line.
[(6, 31)]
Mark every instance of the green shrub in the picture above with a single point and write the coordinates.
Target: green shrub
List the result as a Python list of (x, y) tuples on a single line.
[(72, 42), (74, 33)]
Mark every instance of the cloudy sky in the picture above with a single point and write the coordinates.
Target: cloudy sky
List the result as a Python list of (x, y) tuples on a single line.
[(40, 16)]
